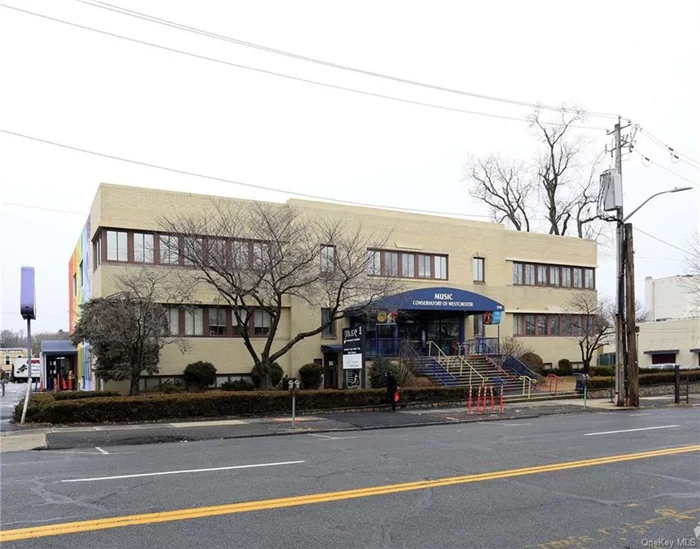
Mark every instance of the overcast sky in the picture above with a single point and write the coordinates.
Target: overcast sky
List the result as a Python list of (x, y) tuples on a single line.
[(98, 92)]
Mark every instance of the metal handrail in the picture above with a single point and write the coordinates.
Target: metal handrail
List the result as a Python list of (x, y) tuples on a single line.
[(527, 381), (463, 361), (498, 367)]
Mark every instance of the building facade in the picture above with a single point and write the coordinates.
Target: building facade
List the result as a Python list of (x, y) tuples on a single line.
[(481, 281), (671, 297)]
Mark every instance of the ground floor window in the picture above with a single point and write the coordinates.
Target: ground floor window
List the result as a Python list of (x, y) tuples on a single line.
[(663, 358)]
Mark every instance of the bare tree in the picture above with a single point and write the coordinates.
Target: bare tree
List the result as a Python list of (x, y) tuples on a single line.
[(256, 256), (590, 325), (505, 186), (127, 330), (513, 346), (12, 339), (692, 268), (640, 313)]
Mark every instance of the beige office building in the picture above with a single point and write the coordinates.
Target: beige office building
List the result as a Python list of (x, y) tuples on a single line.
[(454, 274)]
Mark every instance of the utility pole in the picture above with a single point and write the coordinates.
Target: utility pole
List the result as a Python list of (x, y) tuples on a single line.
[(632, 362), (620, 292)]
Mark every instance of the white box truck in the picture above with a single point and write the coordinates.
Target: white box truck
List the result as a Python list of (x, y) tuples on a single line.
[(19, 370)]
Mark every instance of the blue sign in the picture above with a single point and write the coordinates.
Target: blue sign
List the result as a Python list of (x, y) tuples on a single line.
[(27, 300), (496, 318), (438, 299)]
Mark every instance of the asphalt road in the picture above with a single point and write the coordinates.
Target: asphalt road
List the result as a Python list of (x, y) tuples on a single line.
[(444, 486)]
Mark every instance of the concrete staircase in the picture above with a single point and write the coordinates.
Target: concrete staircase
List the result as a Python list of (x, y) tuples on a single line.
[(461, 371)]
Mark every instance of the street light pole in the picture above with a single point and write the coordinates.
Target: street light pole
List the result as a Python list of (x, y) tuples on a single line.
[(632, 362)]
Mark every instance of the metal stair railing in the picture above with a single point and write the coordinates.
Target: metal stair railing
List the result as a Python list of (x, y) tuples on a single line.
[(445, 371), (499, 368), (528, 382), (440, 354)]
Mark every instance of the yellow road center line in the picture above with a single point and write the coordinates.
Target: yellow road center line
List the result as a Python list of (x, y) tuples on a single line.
[(248, 506)]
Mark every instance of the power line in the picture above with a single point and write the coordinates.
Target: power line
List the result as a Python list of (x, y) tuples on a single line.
[(234, 182), (287, 76), (684, 178), (173, 24), (273, 73), (33, 207), (687, 252), (674, 153)]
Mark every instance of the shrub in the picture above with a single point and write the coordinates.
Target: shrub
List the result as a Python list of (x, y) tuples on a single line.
[(419, 381), (237, 385), (200, 374), (602, 371), (380, 367), (155, 407), (76, 395), (276, 374), (310, 375), (170, 388), (533, 361), (565, 367)]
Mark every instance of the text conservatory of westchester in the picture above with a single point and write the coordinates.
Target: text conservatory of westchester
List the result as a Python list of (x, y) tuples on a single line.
[(465, 285)]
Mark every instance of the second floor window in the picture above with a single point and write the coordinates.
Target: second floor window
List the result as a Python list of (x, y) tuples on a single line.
[(424, 264), (117, 246), (557, 276), (262, 322), (143, 248), (327, 259), (169, 250), (478, 269), (391, 264), (374, 263)]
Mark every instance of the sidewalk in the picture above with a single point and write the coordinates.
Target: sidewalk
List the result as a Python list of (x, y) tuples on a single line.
[(55, 438)]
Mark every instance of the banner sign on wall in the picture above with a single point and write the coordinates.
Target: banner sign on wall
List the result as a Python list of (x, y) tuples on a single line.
[(353, 348)]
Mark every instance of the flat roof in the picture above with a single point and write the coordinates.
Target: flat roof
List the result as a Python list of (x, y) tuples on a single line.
[(60, 347), (662, 352)]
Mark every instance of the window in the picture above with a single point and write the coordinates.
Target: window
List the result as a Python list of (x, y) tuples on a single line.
[(261, 255), (82, 275), (239, 327), (117, 246), (169, 250), (541, 325), (408, 265), (553, 325), (143, 248), (328, 331), (218, 253), (327, 259), (391, 264), (217, 321), (440, 267), (518, 274), (529, 325), (565, 325), (98, 251), (75, 285), (541, 275), (262, 322), (241, 254), (7, 360), (566, 277), (529, 274), (478, 324), (518, 325), (193, 250), (553, 276), (374, 263), (424, 267), (174, 321), (478, 269), (194, 322)]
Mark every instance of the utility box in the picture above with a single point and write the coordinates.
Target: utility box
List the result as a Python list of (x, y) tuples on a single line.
[(611, 189)]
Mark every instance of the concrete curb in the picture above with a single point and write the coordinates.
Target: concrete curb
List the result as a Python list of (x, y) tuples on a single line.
[(23, 443)]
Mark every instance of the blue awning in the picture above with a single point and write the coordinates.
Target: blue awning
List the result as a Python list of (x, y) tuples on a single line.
[(58, 348), (434, 299)]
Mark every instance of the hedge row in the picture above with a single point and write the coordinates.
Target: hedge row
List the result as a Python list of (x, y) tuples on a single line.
[(154, 407), (659, 378)]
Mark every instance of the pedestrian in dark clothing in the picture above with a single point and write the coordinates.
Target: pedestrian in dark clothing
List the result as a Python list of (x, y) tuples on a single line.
[(391, 388)]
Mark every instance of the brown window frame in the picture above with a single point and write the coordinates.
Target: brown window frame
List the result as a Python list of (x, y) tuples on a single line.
[(412, 258), (543, 275), (566, 325), (479, 266)]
